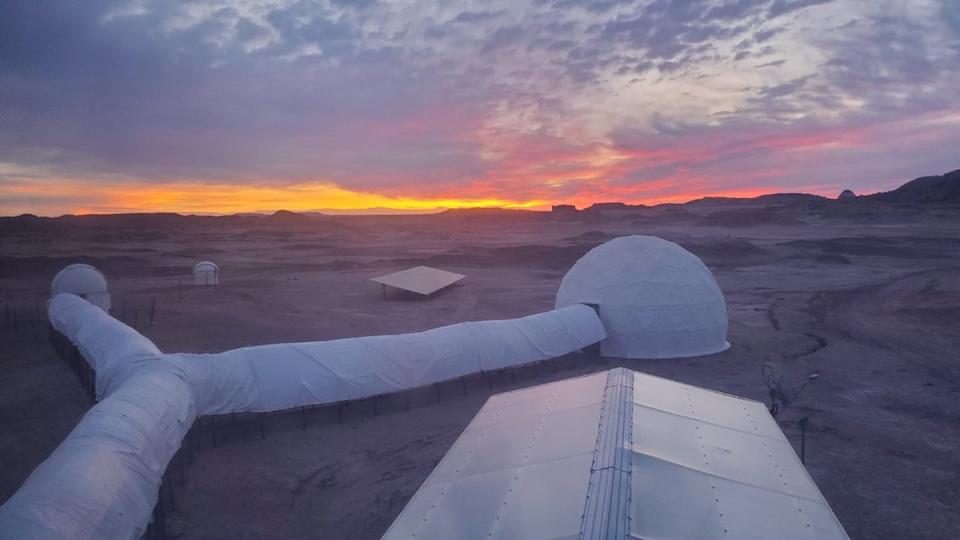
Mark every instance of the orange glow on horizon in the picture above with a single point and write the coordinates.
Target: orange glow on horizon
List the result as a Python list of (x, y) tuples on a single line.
[(530, 173), (205, 198), (187, 198)]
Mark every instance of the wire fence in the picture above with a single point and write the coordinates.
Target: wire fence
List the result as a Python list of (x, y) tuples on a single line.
[(26, 321)]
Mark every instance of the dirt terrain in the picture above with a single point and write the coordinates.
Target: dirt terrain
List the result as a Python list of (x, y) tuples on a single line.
[(867, 298)]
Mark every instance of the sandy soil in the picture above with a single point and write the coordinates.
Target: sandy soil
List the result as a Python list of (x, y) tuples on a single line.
[(871, 305)]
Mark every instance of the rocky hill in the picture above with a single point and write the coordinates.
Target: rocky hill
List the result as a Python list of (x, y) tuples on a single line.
[(926, 189)]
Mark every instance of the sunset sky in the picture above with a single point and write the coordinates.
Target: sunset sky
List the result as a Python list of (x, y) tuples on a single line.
[(256, 105)]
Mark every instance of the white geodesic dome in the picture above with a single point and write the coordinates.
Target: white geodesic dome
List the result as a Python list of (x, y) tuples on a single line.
[(206, 273), (84, 281), (655, 299)]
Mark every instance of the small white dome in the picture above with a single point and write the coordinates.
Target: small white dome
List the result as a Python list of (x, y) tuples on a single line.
[(205, 266), (656, 299), (206, 273), (84, 281)]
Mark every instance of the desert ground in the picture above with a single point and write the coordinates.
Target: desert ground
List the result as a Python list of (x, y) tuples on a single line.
[(868, 299)]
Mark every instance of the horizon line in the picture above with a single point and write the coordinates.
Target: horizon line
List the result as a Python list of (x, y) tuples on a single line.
[(386, 211)]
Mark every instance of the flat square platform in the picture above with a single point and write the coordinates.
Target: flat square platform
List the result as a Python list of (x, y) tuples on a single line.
[(420, 279)]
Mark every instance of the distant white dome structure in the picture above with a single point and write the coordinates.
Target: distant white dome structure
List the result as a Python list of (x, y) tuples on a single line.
[(655, 299), (206, 273), (84, 281)]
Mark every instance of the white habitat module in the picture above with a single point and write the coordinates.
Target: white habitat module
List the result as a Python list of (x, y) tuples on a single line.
[(619, 454), (206, 273), (656, 299), (288, 375), (84, 281), (102, 481)]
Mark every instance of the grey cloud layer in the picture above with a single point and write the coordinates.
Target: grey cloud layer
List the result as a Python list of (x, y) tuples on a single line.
[(373, 94)]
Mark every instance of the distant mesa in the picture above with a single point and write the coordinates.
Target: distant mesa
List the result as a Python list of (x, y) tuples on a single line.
[(770, 199), (612, 210), (847, 195), (613, 207), (926, 189), (288, 217), (790, 198), (565, 212)]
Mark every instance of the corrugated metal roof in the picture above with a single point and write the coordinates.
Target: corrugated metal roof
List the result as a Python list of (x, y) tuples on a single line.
[(606, 512), (619, 454)]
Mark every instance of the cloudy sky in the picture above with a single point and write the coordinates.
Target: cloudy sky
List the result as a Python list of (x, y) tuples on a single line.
[(217, 106)]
